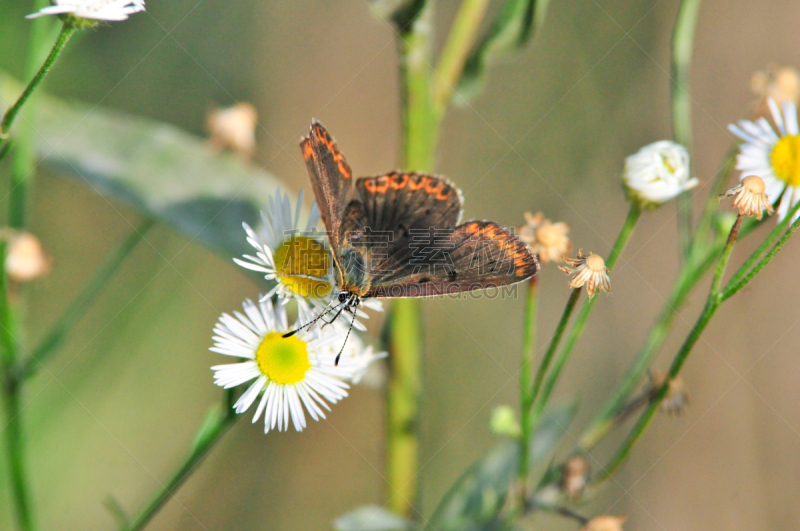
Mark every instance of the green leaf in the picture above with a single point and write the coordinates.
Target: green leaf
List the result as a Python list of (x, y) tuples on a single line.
[(153, 167), (371, 518), (514, 26), (475, 500)]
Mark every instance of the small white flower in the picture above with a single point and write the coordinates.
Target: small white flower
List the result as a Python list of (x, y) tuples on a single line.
[(111, 10), (657, 173), (292, 374), (772, 155), (297, 259)]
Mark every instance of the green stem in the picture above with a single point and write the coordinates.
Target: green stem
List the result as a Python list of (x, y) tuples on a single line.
[(24, 156), (682, 44), (712, 201), (66, 32), (690, 275), (10, 390), (81, 304), (605, 420), (624, 235), (210, 436), (554, 342), (525, 373), (768, 241), (732, 287), (404, 391), (459, 41), (713, 302)]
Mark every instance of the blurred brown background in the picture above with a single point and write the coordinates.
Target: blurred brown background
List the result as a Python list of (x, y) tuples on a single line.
[(115, 410)]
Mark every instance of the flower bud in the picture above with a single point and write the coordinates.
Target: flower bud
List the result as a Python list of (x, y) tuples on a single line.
[(657, 173)]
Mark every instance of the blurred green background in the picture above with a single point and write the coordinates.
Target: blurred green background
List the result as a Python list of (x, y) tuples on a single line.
[(116, 409)]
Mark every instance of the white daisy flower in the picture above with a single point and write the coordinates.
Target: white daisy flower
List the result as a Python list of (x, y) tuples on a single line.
[(772, 155), (297, 259), (292, 374), (657, 173), (111, 10)]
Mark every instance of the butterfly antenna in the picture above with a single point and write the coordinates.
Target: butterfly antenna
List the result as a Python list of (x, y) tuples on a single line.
[(339, 355), (314, 320)]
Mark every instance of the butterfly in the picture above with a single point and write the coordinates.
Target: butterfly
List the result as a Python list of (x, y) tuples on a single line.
[(398, 234)]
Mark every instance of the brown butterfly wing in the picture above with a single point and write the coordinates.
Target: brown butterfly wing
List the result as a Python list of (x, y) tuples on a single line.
[(331, 178), (475, 255), (405, 225)]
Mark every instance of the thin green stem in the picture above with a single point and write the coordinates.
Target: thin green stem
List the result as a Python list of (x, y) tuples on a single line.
[(580, 321), (682, 44), (208, 436), (554, 342), (404, 390), (10, 389), (711, 206), (622, 453), (768, 241), (82, 302), (731, 289), (605, 420), (459, 42), (24, 156), (525, 374), (713, 302), (66, 32)]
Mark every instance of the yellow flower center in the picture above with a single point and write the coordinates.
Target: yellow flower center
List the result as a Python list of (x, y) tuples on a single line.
[(283, 360), (786, 160), (299, 258)]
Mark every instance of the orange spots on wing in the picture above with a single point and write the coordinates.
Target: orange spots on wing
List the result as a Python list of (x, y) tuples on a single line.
[(308, 151), (399, 181), (416, 185), (376, 186)]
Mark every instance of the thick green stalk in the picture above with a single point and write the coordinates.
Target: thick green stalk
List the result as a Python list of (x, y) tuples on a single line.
[(624, 235), (459, 42), (10, 389), (5, 126), (81, 304), (713, 302), (405, 336), (682, 43), (207, 437), (525, 375)]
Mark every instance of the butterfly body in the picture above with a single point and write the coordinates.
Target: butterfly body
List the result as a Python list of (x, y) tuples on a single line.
[(398, 234)]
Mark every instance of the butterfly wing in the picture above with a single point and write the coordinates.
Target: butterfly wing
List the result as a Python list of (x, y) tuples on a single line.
[(405, 225), (331, 179), (474, 255)]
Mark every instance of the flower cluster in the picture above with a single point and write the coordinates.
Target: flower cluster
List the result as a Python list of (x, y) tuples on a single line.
[(293, 369)]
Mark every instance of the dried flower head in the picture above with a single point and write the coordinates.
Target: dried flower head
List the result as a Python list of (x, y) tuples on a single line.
[(781, 83), (677, 397), (547, 239), (574, 476), (751, 197), (657, 173), (110, 10), (590, 270), (234, 128), (605, 523), (26, 259)]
